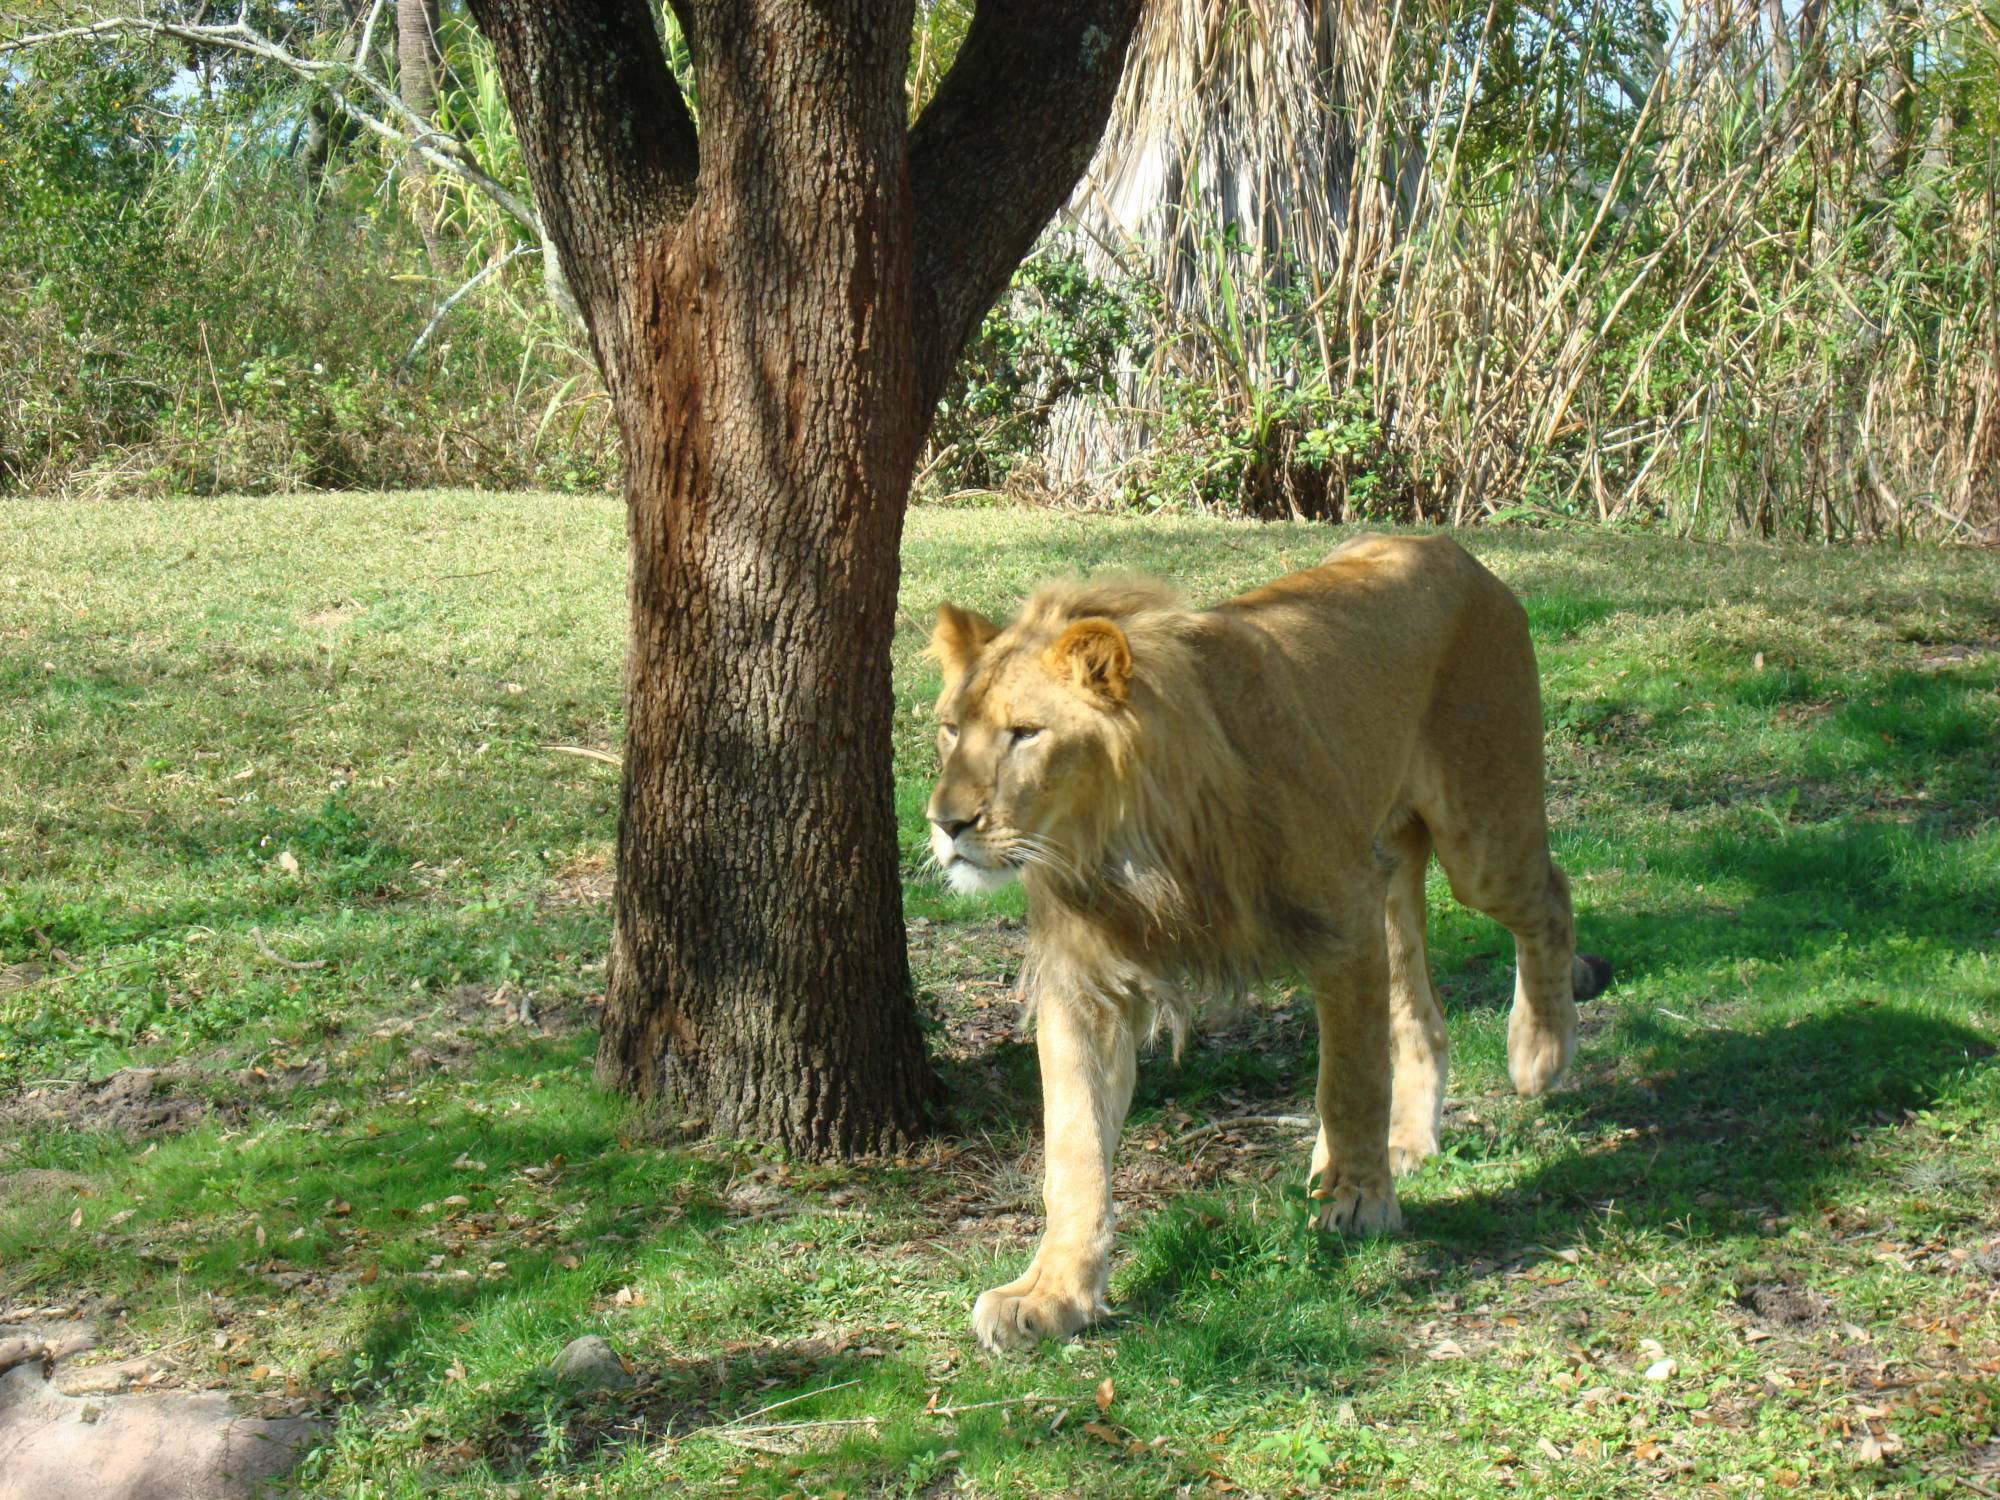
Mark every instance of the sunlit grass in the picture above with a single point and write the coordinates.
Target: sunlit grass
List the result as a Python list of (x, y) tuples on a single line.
[(244, 736)]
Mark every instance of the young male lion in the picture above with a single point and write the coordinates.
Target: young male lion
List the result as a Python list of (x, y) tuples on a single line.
[(1205, 796)]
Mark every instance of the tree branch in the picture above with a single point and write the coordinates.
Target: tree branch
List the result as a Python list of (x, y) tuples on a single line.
[(1005, 139), (607, 138), (490, 269), (336, 75)]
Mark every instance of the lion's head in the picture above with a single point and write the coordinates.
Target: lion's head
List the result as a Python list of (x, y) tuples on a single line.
[(1035, 727)]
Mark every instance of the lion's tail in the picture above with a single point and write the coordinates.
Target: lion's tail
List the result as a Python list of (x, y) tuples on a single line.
[(1589, 976)]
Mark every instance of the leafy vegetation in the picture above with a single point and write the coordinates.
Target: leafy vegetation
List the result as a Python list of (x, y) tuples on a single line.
[(1689, 266), (1752, 1243), (1665, 266), (196, 299)]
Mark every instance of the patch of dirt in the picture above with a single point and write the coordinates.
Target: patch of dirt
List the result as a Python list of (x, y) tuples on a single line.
[(20, 976), (281, 1077), (583, 880), (1784, 1305), (1984, 1460), (134, 1102), (1982, 1262), (972, 971), (30, 1183), (1798, 715), (1949, 657), (330, 617)]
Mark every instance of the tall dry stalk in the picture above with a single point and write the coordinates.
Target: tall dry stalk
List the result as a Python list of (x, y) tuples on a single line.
[(1741, 277)]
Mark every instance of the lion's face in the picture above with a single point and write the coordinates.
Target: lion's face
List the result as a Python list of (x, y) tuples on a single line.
[(1025, 745)]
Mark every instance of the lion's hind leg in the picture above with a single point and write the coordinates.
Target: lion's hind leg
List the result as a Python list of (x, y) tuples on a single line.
[(1541, 1031), (1421, 1049), (1506, 872)]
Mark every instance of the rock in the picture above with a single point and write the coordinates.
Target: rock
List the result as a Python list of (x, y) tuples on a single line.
[(169, 1447), (43, 1343), (118, 1375), (592, 1363)]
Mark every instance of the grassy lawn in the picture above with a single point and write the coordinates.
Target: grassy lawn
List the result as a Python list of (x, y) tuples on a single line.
[(276, 819)]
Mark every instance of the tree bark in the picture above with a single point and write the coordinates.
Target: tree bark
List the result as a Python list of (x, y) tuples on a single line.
[(418, 62), (775, 309)]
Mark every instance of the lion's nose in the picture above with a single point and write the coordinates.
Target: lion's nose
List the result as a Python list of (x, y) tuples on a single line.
[(952, 827)]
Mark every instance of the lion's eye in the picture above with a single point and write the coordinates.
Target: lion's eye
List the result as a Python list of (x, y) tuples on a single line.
[(949, 731), (1021, 733)]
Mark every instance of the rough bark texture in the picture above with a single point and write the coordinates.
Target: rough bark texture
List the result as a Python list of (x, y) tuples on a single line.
[(775, 309), (417, 64)]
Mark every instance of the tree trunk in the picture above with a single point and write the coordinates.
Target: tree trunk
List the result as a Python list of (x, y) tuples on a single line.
[(775, 310), (418, 62), (759, 978), (1232, 127)]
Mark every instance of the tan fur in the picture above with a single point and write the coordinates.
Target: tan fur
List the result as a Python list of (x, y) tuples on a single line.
[(1198, 798)]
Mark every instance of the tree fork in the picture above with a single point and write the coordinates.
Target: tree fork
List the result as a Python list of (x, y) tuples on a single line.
[(775, 306)]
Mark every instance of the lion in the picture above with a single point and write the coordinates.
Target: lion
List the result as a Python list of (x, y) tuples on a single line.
[(1194, 799)]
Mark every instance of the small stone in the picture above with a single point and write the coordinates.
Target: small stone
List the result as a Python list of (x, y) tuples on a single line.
[(592, 1363)]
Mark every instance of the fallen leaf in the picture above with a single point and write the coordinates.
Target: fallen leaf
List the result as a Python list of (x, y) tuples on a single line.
[(1872, 1450), (289, 863), (1447, 1349), (1661, 1369), (1105, 1434), (1548, 1448), (456, 1372), (1105, 1392)]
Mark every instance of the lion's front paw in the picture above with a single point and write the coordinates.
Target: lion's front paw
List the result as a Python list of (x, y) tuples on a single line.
[(1356, 1206), (1538, 1050), (1036, 1307)]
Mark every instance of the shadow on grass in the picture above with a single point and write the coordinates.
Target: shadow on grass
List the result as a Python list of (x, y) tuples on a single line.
[(541, 1426), (1711, 1131), (1715, 1134)]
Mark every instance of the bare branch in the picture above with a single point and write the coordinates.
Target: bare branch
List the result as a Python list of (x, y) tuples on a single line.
[(1007, 135), (491, 268), (409, 130)]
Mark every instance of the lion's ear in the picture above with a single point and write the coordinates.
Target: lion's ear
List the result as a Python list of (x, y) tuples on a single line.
[(958, 638), (1094, 656)]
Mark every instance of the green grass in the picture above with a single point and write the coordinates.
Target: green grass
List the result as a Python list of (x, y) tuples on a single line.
[(311, 729)]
